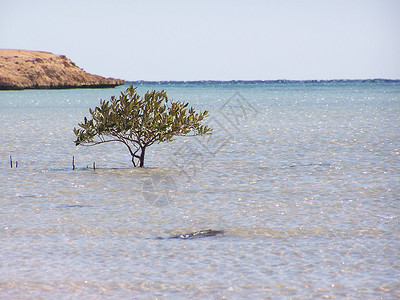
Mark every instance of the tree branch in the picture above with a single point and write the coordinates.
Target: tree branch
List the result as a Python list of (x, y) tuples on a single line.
[(97, 143)]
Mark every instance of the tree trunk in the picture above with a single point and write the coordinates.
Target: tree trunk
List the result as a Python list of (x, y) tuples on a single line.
[(141, 159)]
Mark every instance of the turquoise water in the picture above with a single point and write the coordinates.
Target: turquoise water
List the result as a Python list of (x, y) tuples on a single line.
[(303, 177)]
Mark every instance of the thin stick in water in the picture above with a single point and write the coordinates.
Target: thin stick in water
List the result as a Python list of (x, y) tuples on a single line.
[(73, 162)]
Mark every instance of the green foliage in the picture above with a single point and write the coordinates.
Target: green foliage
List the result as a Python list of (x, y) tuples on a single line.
[(139, 122)]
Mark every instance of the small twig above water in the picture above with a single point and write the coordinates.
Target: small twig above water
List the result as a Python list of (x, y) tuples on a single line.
[(11, 163)]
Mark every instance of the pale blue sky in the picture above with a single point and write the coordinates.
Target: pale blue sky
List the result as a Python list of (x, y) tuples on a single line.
[(212, 40)]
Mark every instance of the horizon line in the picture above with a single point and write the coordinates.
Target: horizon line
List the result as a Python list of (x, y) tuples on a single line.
[(264, 81)]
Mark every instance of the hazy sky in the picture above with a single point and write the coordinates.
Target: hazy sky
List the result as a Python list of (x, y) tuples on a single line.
[(212, 39)]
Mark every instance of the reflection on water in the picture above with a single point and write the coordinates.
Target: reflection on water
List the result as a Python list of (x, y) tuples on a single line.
[(302, 178)]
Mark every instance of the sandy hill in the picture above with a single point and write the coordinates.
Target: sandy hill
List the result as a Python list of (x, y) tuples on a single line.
[(24, 69)]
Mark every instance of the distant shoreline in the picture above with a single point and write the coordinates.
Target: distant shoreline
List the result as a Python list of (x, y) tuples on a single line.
[(377, 80)]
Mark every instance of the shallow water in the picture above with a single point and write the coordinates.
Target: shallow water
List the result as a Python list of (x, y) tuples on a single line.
[(303, 177)]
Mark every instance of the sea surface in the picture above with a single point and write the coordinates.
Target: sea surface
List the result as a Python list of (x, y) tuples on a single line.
[(303, 178)]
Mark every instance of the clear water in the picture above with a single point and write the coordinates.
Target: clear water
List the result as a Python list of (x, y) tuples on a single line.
[(303, 177)]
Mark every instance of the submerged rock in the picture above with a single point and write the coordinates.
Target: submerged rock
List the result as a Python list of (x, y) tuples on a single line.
[(198, 234), (24, 69)]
